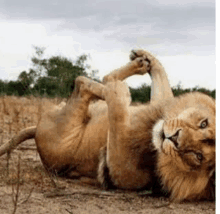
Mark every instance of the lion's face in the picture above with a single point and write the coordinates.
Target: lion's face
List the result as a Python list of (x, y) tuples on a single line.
[(186, 153)]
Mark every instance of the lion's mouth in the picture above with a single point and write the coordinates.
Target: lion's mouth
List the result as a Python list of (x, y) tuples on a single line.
[(162, 135), (171, 140)]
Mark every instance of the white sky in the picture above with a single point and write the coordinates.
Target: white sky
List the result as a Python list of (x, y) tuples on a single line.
[(181, 35)]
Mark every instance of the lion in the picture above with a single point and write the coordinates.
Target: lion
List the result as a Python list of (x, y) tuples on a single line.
[(167, 144)]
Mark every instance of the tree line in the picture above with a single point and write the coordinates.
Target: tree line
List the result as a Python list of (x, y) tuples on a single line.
[(55, 77)]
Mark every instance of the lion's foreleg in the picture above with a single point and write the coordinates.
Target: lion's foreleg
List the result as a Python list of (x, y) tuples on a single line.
[(118, 99), (120, 159), (138, 66), (160, 87)]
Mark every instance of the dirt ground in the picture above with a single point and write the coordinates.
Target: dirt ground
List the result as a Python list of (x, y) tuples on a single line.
[(25, 187)]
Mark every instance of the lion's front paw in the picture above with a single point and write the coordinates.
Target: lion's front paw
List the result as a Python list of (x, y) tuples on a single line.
[(147, 56), (143, 66), (153, 62), (140, 53)]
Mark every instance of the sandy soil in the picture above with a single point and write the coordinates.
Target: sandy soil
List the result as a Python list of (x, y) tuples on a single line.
[(39, 193)]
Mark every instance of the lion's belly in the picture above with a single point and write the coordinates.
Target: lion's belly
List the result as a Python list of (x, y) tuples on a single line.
[(72, 149), (94, 138)]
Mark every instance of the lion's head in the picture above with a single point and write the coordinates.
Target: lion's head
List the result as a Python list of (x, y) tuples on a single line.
[(185, 141)]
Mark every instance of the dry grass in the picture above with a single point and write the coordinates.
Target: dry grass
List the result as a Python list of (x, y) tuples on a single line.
[(16, 114)]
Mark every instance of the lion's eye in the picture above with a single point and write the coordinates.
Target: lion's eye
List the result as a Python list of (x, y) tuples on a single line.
[(204, 124), (199, 156)]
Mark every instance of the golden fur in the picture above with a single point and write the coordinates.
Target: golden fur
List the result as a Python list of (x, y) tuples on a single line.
[(168, 142)]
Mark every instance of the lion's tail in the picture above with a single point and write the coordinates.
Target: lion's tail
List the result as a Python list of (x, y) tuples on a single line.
[(23, 135)]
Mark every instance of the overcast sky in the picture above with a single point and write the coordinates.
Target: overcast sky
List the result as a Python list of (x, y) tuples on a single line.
[(180, 33)]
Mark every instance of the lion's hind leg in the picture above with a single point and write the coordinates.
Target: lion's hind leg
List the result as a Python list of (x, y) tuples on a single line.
[(60, 133), (85, 91)]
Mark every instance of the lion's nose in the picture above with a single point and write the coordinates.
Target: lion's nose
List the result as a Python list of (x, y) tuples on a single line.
[(174, 138)]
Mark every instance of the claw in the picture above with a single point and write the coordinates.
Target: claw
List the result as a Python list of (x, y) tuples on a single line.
[(133, 55), (134, 52)]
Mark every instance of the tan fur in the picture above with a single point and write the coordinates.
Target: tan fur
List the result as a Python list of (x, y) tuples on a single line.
[(137, 149)]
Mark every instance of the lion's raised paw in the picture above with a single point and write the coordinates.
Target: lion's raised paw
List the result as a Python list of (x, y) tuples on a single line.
[(144, 65), (141, 53)]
